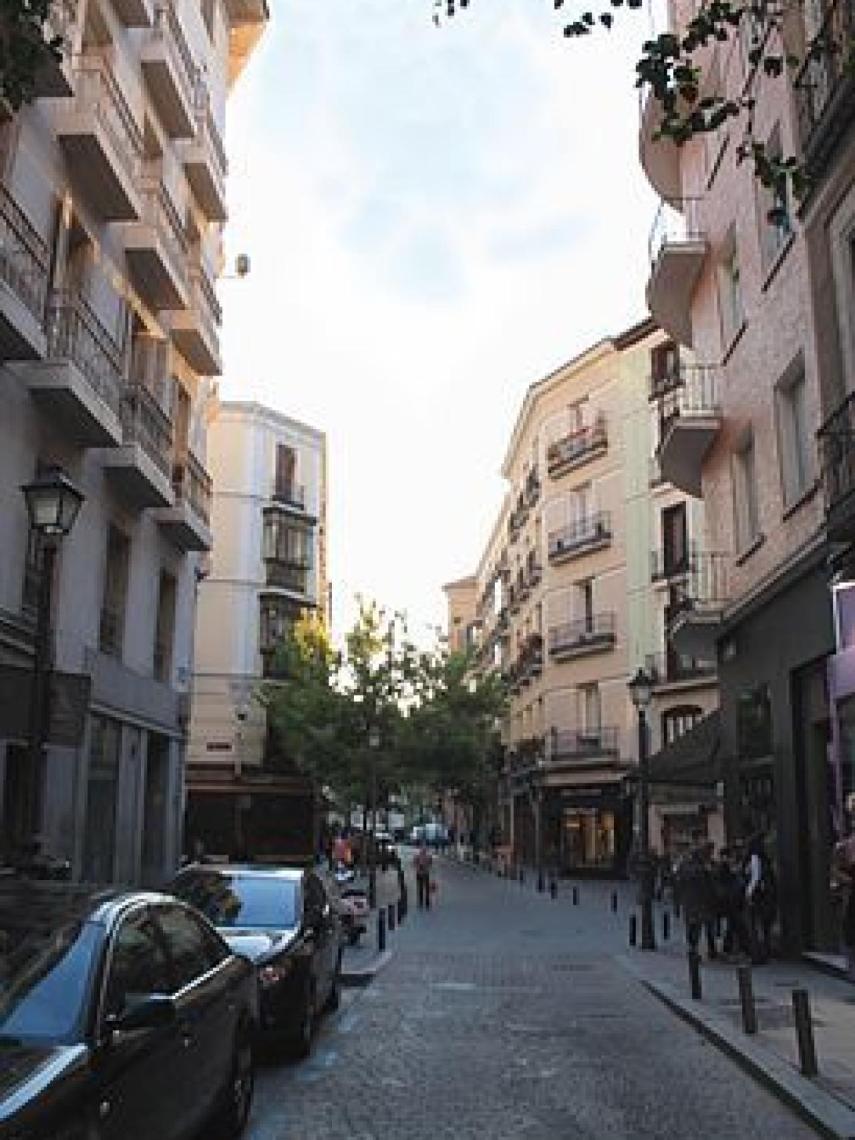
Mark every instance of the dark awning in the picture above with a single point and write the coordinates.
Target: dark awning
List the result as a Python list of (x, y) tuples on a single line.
[(693, 759)]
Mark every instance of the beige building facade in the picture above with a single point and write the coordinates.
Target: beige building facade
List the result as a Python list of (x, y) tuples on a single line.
[(268, 567), (112, 203), (572, 596)]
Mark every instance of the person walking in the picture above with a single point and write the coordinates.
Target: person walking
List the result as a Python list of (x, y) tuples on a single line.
[(422, 862), (695, 889), (760, 899)]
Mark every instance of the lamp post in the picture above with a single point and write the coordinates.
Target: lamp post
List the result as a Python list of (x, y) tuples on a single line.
[(641, 691), (373, 745), (53, 503)]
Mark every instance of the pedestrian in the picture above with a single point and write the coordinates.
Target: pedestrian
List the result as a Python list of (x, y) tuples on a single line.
[(843, 866), (695, 889), (422, 861), (730, 903), (761, 901)]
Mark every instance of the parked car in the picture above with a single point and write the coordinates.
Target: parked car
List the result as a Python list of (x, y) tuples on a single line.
[(282, 919), (123, 1016)]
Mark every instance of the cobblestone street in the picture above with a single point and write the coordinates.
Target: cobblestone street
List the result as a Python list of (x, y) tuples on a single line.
[(504, 1014)]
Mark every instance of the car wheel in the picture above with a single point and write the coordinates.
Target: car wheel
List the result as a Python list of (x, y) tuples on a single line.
[(236, 1100), (334, 1000), (302, 1042)]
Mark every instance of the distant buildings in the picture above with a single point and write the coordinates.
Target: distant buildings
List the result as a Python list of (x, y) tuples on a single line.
[(112, 201), (572, 594), (268, 566)]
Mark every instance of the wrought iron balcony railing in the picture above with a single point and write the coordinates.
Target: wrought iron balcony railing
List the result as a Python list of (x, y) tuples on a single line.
[(23, 256), (76, 334), (695, 396), (583, 743), (836, 443), (677, 222), (576, 537), (577, 445), (596, 631), (192, 484), (825, 85), (672, 668), (144, 422), (706, 586)]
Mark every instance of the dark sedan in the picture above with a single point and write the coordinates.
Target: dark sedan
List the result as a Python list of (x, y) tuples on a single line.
[(282, 919), (123, 1016)]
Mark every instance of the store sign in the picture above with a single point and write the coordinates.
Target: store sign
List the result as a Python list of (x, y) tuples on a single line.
[(68, 704)]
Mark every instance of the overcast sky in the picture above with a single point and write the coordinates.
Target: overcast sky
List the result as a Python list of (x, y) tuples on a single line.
[(436, 218)]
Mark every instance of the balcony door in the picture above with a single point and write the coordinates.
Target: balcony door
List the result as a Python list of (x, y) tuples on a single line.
[(675, 540)]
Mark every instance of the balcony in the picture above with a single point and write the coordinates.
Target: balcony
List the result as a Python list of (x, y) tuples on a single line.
[(518, 518), (577, 744), (825, 87), (156, 249), (677, 248), (594, 634), (671, 668), (665, 565), (141, 468), (24, 262), (102, 142), (530, 661), (577, 447), (170, 72), (79, 384), (660, 158), (694, 614), (194, 331), (54, 78), (689, 421), (533, 575), (187, 523), (654, 472), (205, 165), (291, 498), (836, 444), (290, 575), (581, 537), (531, 489)]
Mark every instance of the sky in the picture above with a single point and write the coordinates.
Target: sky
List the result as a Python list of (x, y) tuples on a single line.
[(436, 218)]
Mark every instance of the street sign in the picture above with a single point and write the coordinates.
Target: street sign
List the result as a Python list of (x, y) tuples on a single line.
[(68, 704)]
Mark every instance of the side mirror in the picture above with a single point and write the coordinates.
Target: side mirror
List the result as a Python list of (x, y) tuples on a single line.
[(154, 1011)]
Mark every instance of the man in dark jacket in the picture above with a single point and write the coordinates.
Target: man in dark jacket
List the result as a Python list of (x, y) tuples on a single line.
[(695, 888)]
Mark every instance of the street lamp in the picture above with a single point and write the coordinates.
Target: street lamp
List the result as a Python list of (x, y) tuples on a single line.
[(641, 692), (53, 503), (373, 745)]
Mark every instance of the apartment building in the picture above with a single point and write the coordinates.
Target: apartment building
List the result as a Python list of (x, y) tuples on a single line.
[(572, 597), (111, 209), (268, 566), (763, 299), (463, 624)]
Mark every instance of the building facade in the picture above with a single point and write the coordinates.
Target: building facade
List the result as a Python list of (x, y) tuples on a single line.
[(572, 598), (111, 210), (268, 566), (747, 280)]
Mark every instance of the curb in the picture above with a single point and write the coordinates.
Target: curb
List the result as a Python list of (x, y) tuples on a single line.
[(365, 976), (820, 1109)]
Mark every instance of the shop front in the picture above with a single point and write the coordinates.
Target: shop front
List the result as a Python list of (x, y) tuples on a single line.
[(588, 828)]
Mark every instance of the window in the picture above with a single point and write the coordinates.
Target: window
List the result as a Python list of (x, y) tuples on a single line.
[(584, 602), (675, 546), (285, 485), (579, 504), (164, 628), (189, 952), (139, 966), (678, 721), (112, 625), (664, 363), (730, 290), (102, 783), (588, 709), (794, 435), (745, 496), (774, 208)]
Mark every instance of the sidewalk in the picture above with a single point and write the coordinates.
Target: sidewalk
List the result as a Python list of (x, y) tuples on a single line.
[(360, 963)]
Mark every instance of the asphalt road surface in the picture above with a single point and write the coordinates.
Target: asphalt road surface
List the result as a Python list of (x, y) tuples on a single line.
[(503, 1015)]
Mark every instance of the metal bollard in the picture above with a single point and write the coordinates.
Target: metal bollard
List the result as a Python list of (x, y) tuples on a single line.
[(575, 896), (381, 930), (804, 1033), (746, 999), (676, 909), (633, 929), (390, 911), (666, 925), (400, 910), (695, 975), (522, 876), (553, 888), (614, 902)]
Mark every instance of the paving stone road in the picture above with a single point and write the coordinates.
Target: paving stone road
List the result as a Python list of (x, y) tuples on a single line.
[(503, 1015)]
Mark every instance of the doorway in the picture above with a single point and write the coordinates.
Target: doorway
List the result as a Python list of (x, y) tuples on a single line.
[(154, 810)]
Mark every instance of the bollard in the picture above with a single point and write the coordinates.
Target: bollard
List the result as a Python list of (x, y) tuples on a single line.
[(633, 929), (695, 975), (804, 1033), (746, 999), (575, 896), (676, 909), (390, 921), (522, 876), (666, 925), (400, 910), (381, 930), (540, 884), (553, 888), (614, 902)]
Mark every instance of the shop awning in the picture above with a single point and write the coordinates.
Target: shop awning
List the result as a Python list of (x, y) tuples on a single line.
[(691, 761)]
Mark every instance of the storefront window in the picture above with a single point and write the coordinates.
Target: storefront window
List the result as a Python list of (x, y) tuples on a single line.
[(101, 788), (589, 837)]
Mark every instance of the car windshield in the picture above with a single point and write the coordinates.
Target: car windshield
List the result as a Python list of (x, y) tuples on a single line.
[(234, 900), (47, 959)]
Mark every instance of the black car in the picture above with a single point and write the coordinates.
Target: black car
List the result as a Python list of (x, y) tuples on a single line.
[(123, 1016), (282, 919)]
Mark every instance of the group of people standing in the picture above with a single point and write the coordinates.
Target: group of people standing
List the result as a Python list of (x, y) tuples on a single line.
[(730, 897)]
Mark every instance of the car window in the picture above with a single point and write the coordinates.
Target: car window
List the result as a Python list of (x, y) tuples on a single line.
[(186, 945), (138, 964), (216, 950), (234, 900)]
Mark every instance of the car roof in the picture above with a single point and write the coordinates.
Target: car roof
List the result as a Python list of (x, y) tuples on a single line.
[(50, 904), (247, 870)]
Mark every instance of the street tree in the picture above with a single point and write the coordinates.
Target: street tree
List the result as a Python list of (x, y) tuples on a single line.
[(25, 48)]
